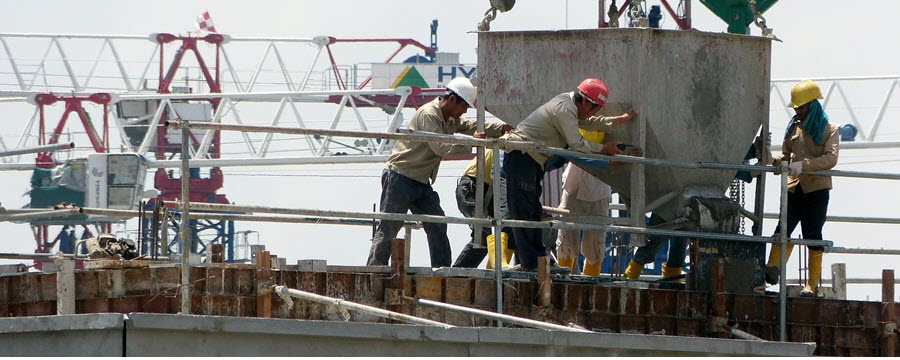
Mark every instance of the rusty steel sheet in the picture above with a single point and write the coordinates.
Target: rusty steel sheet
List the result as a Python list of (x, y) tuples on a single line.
[(704, 96)]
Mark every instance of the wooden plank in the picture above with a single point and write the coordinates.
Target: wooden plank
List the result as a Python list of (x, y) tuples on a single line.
[(263, 274)]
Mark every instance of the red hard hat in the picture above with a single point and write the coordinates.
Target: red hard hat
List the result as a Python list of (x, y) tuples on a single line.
[(595, 90)]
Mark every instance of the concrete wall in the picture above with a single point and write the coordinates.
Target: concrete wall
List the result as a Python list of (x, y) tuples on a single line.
[(185, 335)]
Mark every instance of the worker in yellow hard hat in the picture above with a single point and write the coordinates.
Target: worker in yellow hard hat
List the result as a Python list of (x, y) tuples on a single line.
[(470, 256), (584, 194), (811, 143)]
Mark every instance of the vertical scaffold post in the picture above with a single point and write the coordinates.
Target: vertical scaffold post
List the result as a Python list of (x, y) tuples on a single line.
[(782, 243), (185, 221), (498, 225), (478, 240)]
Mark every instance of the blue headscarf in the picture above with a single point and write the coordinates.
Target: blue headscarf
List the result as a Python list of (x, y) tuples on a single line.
[(814, 124)]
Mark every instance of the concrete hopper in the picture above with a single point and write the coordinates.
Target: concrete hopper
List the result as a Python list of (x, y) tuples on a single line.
[(703, 96)]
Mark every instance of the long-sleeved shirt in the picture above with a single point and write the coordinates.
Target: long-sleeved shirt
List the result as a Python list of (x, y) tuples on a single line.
[(583, 185), (472, 169), (420, 160), (800, 147), (556, 124)]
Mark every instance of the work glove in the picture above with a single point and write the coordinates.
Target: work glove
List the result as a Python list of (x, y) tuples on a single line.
[(795, 168)]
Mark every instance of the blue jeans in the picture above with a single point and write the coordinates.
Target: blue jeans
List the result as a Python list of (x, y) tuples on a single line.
[(677, 247), (400, 194)]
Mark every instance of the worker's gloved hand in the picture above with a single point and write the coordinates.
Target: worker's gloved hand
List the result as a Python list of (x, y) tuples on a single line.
[(611, 148), (795, 168)]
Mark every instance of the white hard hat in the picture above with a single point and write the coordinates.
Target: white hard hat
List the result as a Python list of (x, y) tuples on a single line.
[(463, 87)]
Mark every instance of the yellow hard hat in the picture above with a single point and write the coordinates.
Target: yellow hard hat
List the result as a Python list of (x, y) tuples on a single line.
[(592, 136), (804, 92)]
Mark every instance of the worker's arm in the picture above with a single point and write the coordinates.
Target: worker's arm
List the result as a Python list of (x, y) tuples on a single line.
[(605, 123), (492, 129), (567, 124), (829, 158), (431, 123)]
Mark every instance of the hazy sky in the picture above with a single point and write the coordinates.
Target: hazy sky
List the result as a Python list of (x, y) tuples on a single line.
[(821, 39)]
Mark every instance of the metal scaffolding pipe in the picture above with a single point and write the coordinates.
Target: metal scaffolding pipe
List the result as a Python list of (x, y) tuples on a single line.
[(35, 256), (38, 149), (743, 335), (851, 219), (842, 250), (345, 214), (128, 214), (40, 215), (304, 160), (408, 135), (857, 281), (344, 304), (495, 316), (484, 222)]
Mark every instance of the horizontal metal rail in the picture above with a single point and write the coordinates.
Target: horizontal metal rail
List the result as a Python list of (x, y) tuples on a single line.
[(494, 316), (284, 292), (862, 251), (128, 214), (46, 214), (554, 224), (855, 281), (850, 219), (38, 149), (35, 256)]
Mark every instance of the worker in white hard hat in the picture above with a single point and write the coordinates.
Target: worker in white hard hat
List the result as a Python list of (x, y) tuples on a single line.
[(584, 194), (412, 168), (811, 143), (555, 124)]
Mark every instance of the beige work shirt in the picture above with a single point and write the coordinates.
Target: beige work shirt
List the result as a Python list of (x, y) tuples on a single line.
[(556, 124), (420, 160), (800, 147)]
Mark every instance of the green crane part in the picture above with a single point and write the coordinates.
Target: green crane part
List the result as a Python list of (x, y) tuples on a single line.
[(737, 13)]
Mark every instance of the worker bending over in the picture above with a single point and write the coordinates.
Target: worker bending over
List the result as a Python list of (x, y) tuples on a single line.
[(811, 143), (471, 257), (555, 124), (413, 166)]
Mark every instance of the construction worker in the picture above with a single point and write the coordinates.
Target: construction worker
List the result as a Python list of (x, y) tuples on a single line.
[(555, 124), (413, 166), (811, 143), (647, 253), (584, 194), (471, 257)]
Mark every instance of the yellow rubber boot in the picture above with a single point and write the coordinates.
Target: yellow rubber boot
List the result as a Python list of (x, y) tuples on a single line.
[(592, 268), (815, 272), (633, 271), (505, 252), (668, 272), (567, 263), (775, 254)]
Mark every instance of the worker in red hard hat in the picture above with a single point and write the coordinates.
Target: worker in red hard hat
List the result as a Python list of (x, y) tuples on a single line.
[(555, 124), (413, 166)]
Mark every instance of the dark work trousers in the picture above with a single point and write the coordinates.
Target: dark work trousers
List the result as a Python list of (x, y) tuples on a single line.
[(677, 247), (399, 194), (523, 192), (809, 210), (471, 257)]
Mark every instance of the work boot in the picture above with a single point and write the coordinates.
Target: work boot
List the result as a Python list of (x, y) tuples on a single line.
[(670, 272), (773, 273), (592, 268), (558, 270), (815, 272), (491, 251), (567, 263), (633, 271)]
